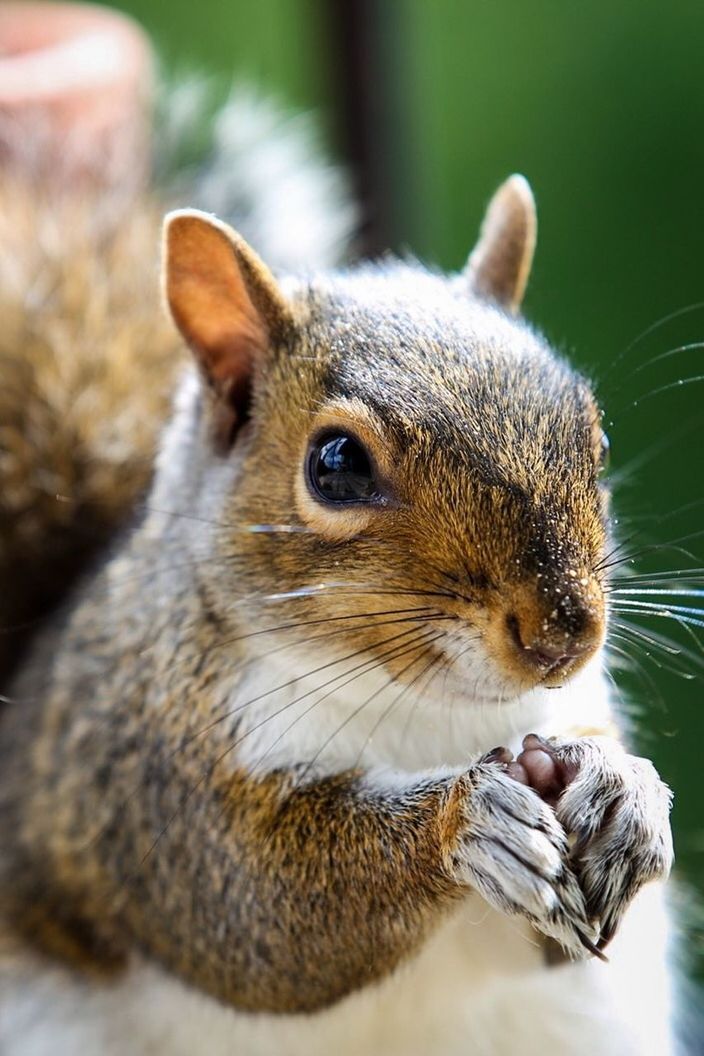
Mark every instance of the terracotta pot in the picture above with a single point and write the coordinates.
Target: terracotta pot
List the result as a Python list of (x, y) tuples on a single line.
[(75, 93)]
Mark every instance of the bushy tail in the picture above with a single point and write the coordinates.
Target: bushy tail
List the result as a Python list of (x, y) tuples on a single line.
[(264, 171), (87, 358)]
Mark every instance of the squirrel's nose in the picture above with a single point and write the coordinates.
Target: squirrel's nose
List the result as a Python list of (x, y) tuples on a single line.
[(547, 652)]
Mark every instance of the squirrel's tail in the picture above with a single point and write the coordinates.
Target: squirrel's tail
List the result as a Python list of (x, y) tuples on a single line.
[(264, 171), (87, 358)]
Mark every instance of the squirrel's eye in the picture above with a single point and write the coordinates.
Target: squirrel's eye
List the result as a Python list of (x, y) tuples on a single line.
[(604, 453), (339, 470)]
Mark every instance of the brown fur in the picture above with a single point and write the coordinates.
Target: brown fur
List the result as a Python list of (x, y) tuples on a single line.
[(132, 821), (87, 366)]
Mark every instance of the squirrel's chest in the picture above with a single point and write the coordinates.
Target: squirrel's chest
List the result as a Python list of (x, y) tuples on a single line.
[(431, 1004), (479, 985), (311, 709)]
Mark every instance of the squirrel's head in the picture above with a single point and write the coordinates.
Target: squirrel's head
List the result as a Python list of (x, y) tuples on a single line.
[(398, 457)]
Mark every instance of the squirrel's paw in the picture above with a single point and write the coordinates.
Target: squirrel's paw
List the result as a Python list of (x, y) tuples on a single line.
[(513, 851), (616, 811)]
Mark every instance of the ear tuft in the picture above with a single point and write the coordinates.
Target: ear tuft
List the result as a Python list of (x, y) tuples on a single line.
[(499, 265), (224, 301)]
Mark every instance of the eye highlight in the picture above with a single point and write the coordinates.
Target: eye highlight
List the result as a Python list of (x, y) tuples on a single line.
[(339, 470)]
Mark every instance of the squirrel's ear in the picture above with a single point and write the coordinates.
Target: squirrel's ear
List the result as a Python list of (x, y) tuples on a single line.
[(225, 302), (499, 265)]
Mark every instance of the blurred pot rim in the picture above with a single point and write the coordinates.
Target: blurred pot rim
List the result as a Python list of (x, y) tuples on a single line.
[(50, 51)]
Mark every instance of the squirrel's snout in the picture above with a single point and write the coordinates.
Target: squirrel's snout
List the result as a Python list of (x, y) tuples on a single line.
[(540, 635), (546, 652)]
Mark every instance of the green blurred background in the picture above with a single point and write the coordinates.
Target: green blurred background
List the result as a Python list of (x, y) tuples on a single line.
[(601, 105)]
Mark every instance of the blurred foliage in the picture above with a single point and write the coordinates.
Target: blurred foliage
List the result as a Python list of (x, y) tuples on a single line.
[(602, 107), (274, 43)]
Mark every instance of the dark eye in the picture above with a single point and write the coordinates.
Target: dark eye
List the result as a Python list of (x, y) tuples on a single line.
[(604, 453), (339, 470)]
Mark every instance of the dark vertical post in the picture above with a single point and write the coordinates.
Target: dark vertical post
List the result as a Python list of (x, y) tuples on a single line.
[(361, 57)]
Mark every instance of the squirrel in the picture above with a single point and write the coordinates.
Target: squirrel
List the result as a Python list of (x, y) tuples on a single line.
[(250, 796)]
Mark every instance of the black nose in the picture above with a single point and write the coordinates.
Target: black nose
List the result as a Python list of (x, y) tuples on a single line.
[(570, 616), (548, 651)]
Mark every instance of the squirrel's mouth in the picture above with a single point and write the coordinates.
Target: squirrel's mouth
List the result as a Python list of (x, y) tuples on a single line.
[(499, 650), (522, 637)]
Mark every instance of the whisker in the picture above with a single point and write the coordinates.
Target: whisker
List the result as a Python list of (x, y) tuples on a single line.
[(696, 593), (635, 641), (277, 529), (444, 669), (625, 411), (425, 614), (665, 644), (623, 476), (320, 700), (610, 647), (312, 591), (655, 606), (269, 529), (360, 707), (290, 682), (315, 703), (635, 608), (634, 664), (189, 739), (672, 547), (416, 703), (223, 755), (606, 563), (633, 631), (697, 658), (619, 546), (297, 592), (426, 609), (397, 700), (668, 355), (148, 508), (686, 310), (675, 574), (684, 624)]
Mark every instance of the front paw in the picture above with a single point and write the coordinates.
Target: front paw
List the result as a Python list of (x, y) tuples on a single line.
[(615, 809), (514, 852)]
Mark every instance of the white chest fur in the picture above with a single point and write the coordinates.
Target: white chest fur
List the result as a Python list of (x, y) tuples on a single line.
[(308, 709), (478, 987)]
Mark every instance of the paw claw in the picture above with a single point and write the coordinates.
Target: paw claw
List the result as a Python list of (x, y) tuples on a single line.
[(616, 810), (498, 755), (514, 852), (596, 949)]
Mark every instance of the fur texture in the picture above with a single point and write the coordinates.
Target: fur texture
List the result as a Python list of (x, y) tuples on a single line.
[(402, 896)]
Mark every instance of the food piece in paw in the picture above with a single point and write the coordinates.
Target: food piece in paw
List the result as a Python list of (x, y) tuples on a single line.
[(505, 757), (536, 766), (540, 769)]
